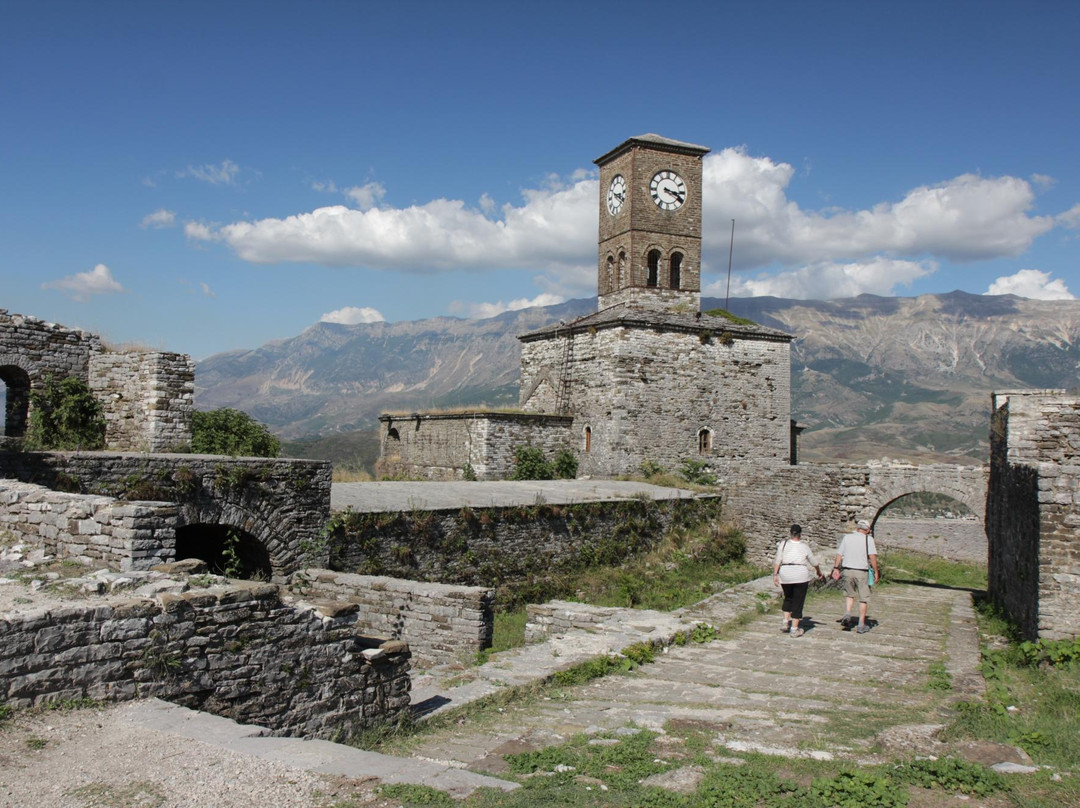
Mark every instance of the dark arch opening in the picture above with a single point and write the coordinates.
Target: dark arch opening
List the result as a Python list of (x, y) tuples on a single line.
[(392, 433), (654, 268), (676, 270), (226, 550), (16, 400)]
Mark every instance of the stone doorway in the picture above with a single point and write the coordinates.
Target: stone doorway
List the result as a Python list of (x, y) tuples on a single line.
[(933, 524), (226, 550), (15, 397)]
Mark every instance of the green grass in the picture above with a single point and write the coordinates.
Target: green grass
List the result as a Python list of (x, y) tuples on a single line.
[(687, 567), (905, 567)]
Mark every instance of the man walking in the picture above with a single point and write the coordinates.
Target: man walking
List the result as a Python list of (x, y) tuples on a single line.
[(856, 555)]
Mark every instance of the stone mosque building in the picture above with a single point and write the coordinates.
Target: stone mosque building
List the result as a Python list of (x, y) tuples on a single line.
[(649, 376)]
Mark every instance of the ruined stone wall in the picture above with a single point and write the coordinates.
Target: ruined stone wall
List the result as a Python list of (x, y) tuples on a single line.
[(283, 503), (489, 546), (148, 399), (32, 350), (238, 652), (89, 529), (1033, 511), (441, 623), (647, 393), (440, 446)]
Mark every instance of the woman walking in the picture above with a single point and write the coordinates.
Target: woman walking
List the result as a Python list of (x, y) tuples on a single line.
[(791, 570)]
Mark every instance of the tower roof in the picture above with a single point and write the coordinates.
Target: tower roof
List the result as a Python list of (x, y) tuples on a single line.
[(653, 142)]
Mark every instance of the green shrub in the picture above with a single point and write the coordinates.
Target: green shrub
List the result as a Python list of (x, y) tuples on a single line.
[(565, 465), (697, 472), (231, 432), (529, 464), (65, 415)]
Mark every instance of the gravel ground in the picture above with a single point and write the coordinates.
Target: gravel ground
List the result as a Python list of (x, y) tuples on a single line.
[(93, 758)]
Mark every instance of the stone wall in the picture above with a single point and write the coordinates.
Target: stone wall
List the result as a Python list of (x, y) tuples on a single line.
[(32, 350), (284, 504), (647, 388), (1033, 513), (441, 446), (147, 396), (148, 399), (441, 623), (826, 499), (90, 529), (239, 652), (489, 546)]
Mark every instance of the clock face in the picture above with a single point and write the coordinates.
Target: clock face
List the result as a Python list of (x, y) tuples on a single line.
[(668, 190), (616, 194)]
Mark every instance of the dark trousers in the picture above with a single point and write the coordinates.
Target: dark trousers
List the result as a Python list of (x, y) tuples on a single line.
[(794, 598)]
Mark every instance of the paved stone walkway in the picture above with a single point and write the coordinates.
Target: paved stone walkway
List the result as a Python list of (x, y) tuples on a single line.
[(760, 690)]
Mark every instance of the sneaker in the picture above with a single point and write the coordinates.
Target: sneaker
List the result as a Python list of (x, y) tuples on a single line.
[(797, 632), (784, 629), (862, 629), (847, 621)]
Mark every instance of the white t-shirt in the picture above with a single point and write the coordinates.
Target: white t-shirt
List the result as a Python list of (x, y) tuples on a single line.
[(853, 548), (795, 559)]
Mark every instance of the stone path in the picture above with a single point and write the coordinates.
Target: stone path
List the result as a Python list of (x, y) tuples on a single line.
[(760, 690)]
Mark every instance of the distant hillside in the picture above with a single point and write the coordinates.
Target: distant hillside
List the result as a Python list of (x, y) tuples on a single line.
[(872, 376)]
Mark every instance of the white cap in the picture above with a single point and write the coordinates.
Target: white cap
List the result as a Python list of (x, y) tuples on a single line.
[(862, 524)]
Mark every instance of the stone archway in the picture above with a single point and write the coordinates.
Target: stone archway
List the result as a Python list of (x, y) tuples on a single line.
[(944, 527), (216, 518)]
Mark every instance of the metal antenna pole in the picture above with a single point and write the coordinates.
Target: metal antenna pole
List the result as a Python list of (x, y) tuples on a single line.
[(731, 249)]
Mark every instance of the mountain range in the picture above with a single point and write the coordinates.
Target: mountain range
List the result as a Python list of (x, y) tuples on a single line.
[(902, 377)]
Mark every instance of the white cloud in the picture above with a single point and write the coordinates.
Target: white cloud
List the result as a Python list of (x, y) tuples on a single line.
[(480, 311), (200, 231), (1032, 283), (159, 219), (826, 280), (352, 315), (966, 218), (81, 286), (553, 230), (206, 290), (329, 186), (224, 174), (366, 196)]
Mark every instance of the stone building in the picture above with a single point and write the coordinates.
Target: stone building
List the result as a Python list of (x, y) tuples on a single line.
[(147, 396), (649, 376)]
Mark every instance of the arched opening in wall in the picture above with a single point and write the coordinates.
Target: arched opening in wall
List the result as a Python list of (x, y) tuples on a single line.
[(930, 523), (621, 280), (704, 440), (392, 434), (16, 399), (675, 275), (226, 550), (587, 439), (610, 274), (653, 260)]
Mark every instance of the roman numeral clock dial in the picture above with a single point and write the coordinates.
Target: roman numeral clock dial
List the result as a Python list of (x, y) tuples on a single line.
[(668, 190), (616, 194)]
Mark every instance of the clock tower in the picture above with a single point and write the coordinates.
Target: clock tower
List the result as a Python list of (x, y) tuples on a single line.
[(650, 225)]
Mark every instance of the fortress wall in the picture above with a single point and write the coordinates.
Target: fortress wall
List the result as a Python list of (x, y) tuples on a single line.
[(1033, 511), (148, 399), (238, 652), (441, 623), (487, 546), (92, 530)]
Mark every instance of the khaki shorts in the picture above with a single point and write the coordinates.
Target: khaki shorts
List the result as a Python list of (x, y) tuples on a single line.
[(856, 584)]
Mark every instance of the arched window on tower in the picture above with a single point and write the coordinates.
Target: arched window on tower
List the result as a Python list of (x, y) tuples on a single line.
[(704, 440), (654, 268), (621, 279), (587, 435), (676, 270), (610, 274)]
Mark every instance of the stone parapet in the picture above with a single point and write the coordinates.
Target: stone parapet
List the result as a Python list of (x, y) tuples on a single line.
[(235, 651), (90, 529), (441, 623)]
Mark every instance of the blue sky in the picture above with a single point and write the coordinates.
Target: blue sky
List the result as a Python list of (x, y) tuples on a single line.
[(203, 177)]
